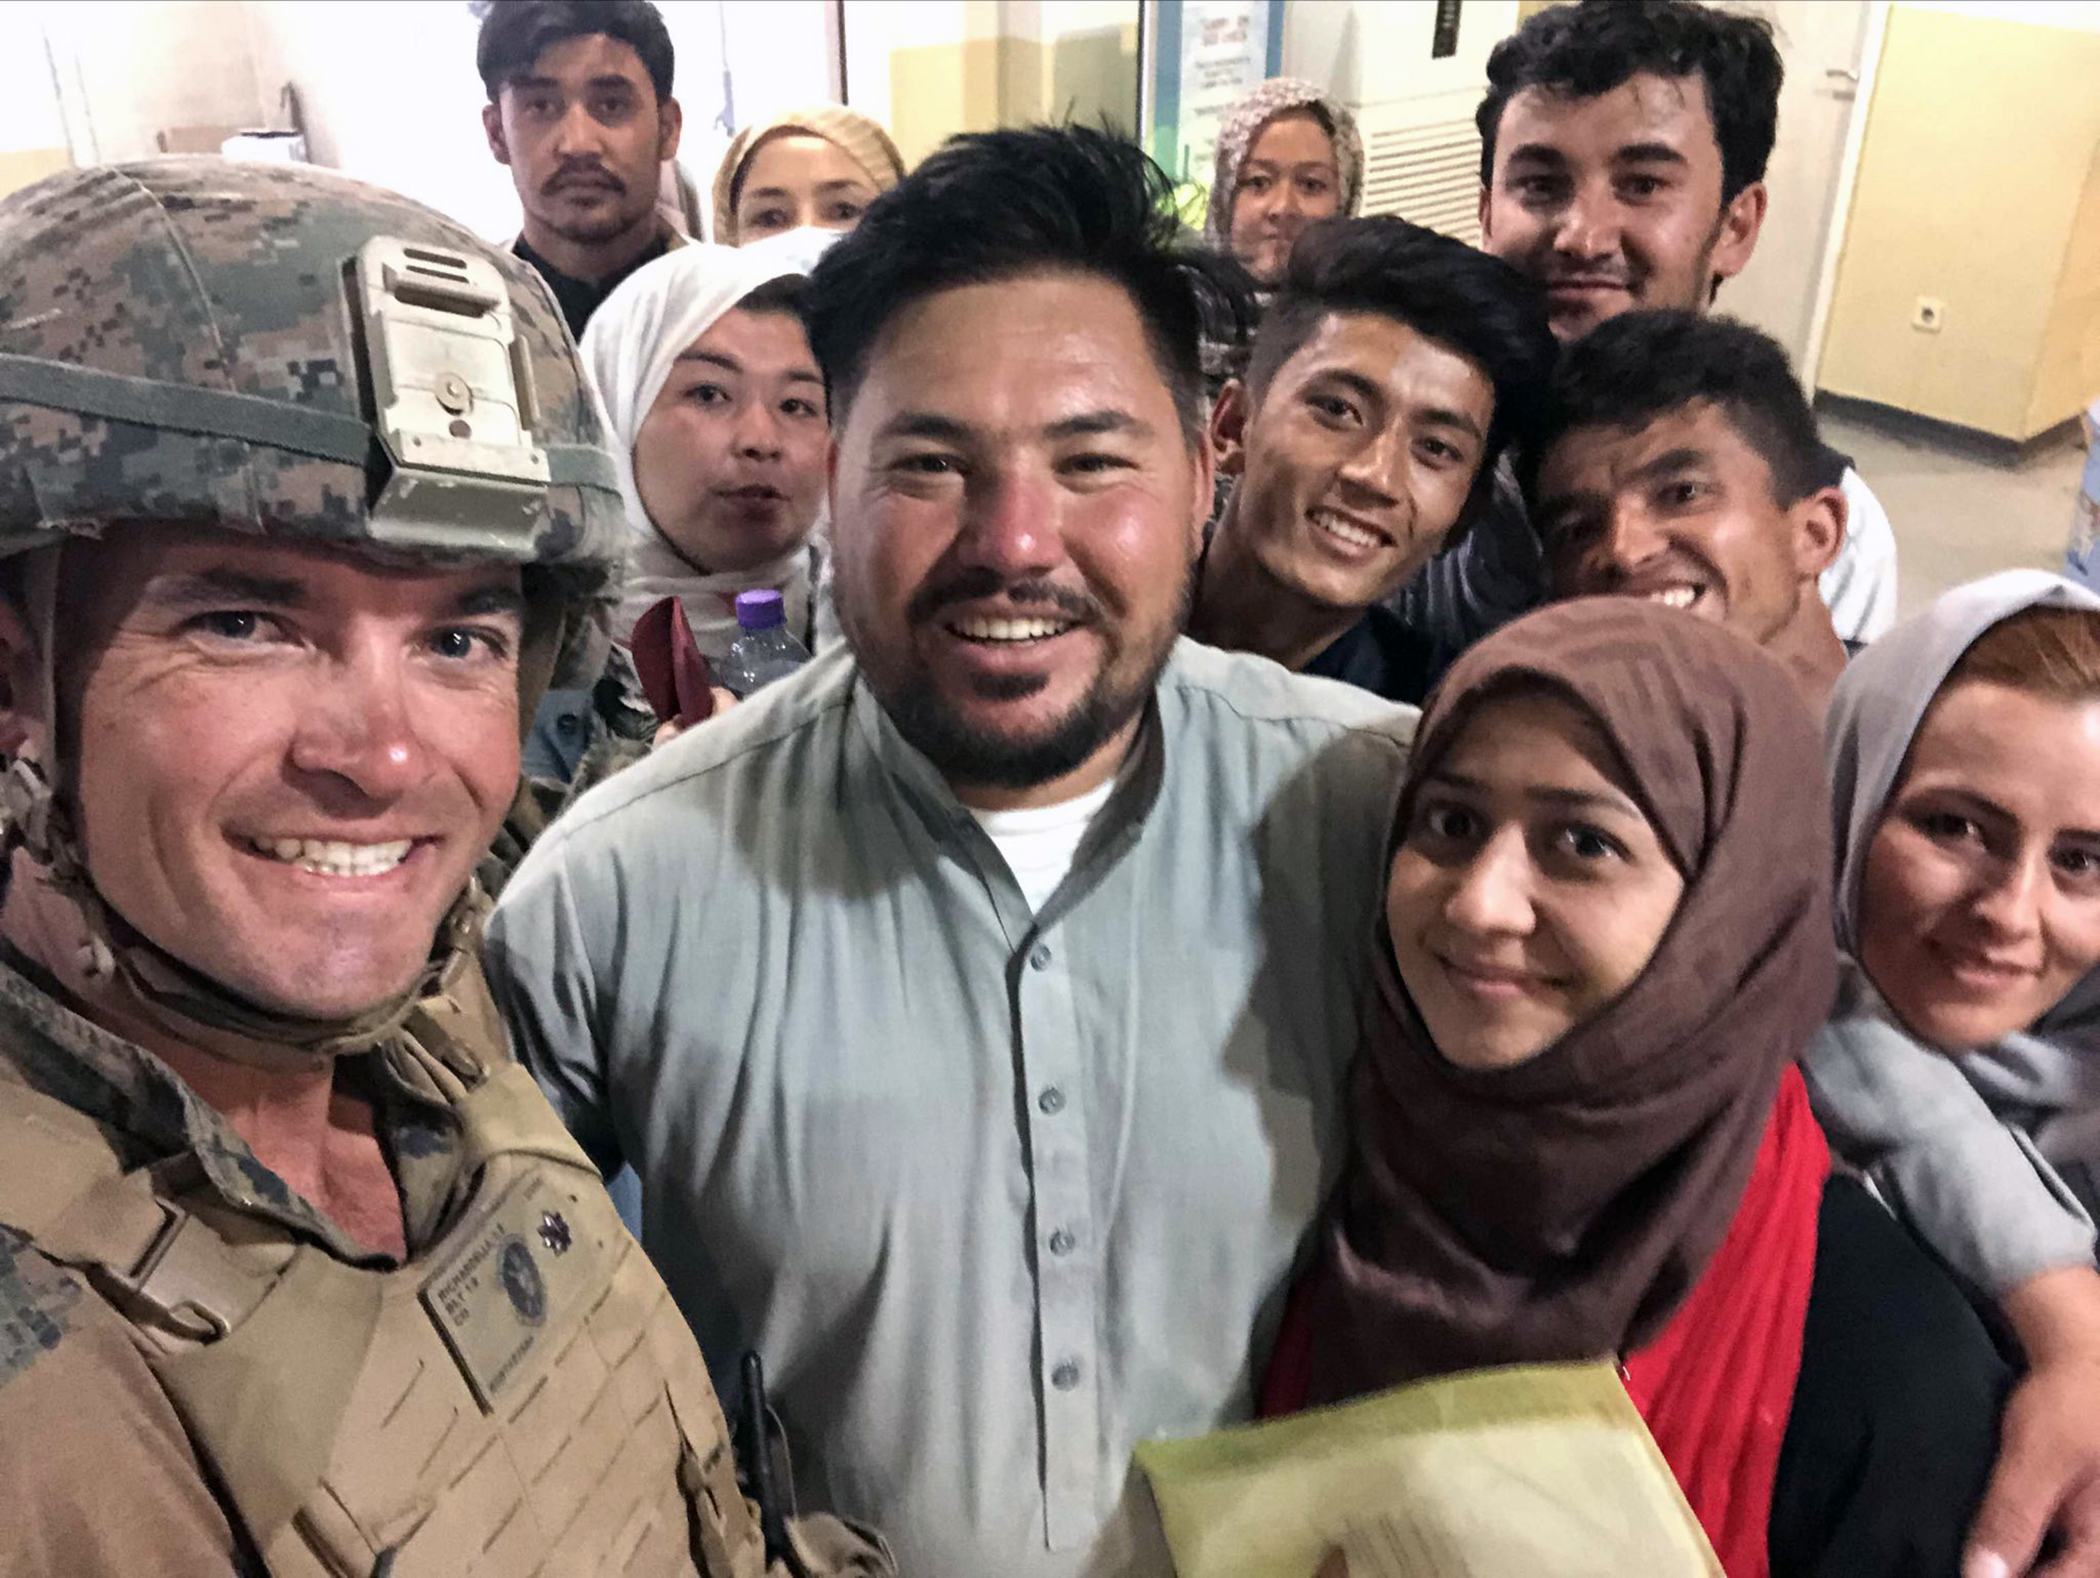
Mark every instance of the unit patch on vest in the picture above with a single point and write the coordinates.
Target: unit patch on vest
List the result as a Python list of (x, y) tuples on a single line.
[(522, 1281), (505, 1292)]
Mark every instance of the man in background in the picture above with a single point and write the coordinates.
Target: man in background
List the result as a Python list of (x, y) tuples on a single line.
[(1623, 155), (580, 110)]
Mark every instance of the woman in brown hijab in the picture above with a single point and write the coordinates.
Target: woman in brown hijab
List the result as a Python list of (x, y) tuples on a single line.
[(1579, 1130)]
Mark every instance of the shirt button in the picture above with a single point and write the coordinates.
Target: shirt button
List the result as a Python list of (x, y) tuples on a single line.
[(1039, 959), (1066, 1375), (567, 724), (1051, 1101), (1062, 1242)]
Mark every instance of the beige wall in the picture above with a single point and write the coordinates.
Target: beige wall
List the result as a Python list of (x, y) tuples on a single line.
[(1977, 187), (134, 68), (937, 90), (2069, 375), (32, 127), (19, 167), (1013, 64)]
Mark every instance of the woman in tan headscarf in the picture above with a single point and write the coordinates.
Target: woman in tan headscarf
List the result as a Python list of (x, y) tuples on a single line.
[(813, 168), (1287, 155)]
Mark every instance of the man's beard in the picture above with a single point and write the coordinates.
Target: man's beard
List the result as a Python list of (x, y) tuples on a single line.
[(1700, 285), (964, 754), (627, 212), (596, 233)]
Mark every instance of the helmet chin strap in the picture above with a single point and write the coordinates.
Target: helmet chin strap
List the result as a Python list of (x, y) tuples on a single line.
[(146, 979)]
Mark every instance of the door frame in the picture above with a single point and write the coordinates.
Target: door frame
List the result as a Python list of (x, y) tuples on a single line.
[(1871, 42)]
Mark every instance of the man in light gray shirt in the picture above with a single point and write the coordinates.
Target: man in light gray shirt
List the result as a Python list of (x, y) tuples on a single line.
[(976, 1006)]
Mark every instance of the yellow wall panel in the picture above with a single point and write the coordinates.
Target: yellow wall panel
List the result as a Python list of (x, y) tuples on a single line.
[(937, 90), (1093, 78), (1978, 153), (2069, 377), (20, 167)]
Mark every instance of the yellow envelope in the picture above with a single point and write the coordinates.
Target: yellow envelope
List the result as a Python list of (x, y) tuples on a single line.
[(1508, 1473)]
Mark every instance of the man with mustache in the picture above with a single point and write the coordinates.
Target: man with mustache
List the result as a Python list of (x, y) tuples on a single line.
[(580, 109), (975, 1004), (1623, 154)]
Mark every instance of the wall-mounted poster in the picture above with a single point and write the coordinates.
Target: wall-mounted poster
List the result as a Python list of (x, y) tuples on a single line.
[(1202, 56)]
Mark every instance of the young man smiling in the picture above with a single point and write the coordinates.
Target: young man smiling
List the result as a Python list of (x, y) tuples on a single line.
[(1623, 154), (1388, 375), (1680, 463), (580, 110)]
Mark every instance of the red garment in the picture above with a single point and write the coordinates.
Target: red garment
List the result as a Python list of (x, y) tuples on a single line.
[(1716, 1386), (672, 668), (1288, 1380)]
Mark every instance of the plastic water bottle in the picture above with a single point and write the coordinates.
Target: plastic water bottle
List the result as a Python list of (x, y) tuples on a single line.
[(763, 651)]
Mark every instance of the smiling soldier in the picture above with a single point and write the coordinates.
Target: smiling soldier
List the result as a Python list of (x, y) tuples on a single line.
[(302, 502)]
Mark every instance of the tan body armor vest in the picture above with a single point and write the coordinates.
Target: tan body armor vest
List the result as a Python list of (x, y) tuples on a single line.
[(522, 1399)]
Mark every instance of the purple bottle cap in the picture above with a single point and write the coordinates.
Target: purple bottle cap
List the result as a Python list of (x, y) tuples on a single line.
[(759, 610)]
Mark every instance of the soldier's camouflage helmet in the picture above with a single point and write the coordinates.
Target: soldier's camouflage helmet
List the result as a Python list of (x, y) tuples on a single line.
[(278, 349)]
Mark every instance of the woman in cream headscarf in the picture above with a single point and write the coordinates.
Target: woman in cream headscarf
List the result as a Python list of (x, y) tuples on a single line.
[(716, 418), (1287, 155), (812, 168), (1974, 1097)]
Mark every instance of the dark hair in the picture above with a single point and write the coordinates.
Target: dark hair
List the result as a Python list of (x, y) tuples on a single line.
[(990, 206), (789, 294), (1446, 291), (515, 33), (1638, 366), (1581, 51)]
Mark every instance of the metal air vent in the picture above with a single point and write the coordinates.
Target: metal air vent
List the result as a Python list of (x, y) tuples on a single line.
[(1427, 173)]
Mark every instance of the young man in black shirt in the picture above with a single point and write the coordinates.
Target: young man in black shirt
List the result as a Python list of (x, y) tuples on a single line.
[(1388, 374)]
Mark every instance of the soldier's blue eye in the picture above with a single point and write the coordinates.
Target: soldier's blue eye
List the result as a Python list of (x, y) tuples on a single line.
[(234, 624)]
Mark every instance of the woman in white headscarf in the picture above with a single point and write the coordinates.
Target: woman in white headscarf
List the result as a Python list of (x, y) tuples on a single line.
[(1961, 1070), (715, 411)]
